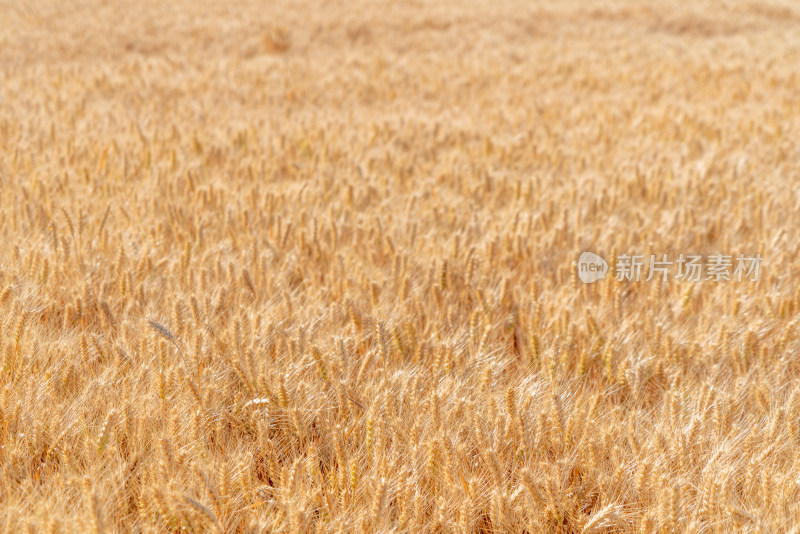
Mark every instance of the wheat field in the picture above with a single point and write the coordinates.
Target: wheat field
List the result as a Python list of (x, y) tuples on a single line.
[(312, 266)]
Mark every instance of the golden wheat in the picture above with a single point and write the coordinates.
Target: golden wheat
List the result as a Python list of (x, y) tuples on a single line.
[(311, 267)]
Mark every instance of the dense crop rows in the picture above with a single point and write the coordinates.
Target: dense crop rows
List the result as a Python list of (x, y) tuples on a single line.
[(312, 268)]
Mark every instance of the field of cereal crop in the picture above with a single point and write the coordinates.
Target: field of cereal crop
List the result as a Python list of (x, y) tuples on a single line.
[(313, 266)]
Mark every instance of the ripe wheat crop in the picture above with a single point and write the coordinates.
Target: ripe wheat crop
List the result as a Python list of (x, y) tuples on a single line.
[(311, 266)]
